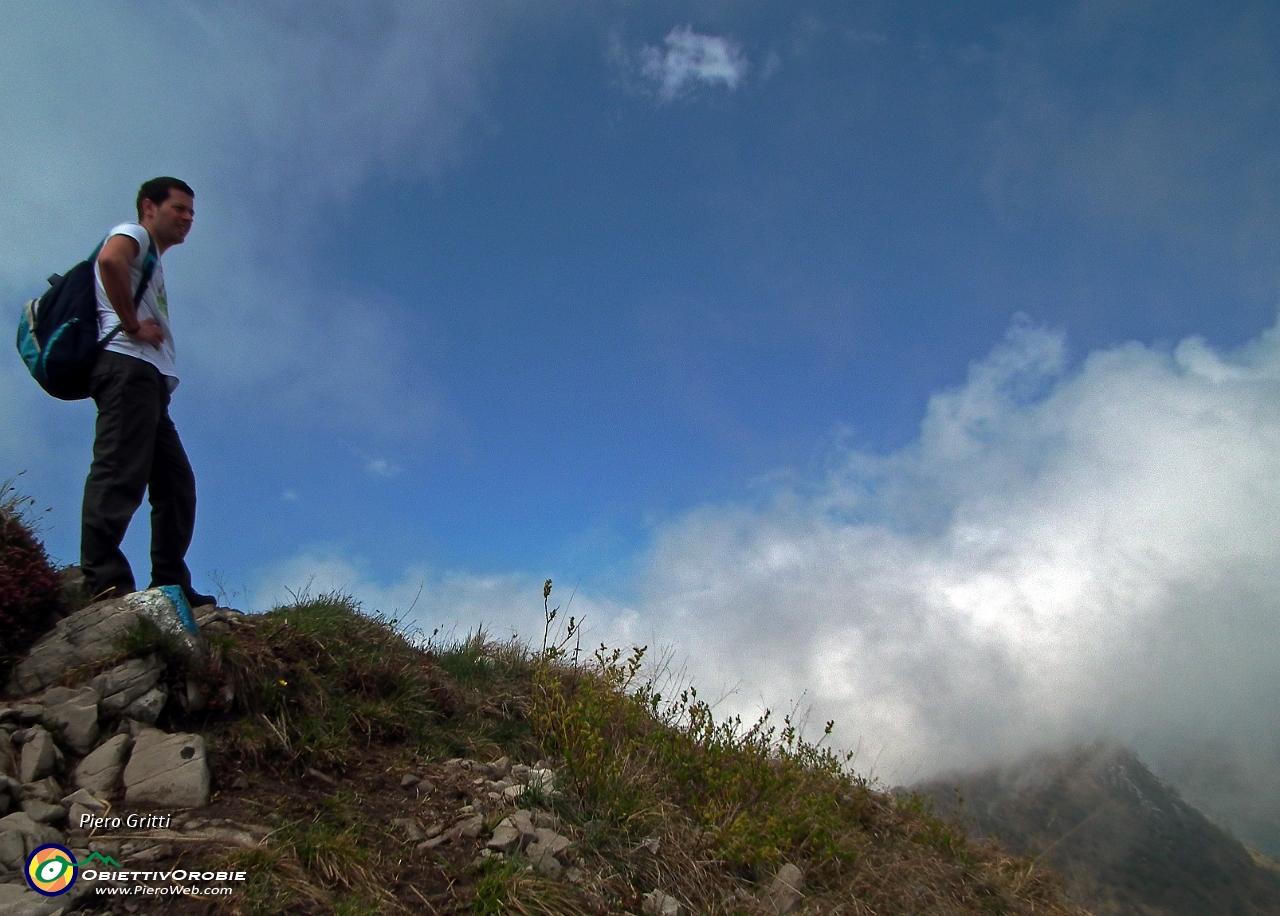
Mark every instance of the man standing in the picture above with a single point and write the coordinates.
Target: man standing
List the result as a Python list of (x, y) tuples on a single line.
[(136, 447)]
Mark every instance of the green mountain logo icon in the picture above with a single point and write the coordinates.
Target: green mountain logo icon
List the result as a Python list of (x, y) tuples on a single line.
[(99, 857)]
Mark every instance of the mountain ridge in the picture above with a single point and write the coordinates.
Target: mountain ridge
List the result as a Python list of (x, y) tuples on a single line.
[(1123, 840)]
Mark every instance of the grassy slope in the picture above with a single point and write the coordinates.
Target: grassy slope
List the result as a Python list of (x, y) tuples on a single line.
[(333, 708)]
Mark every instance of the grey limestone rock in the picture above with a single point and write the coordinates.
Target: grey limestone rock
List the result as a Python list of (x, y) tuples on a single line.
[(75, 713), (39, 756), (549, 852), (126, 682), (547, 841), (523, 822), (542, 779), (19, 836), (82, 806), (80, 817), (100, 771), (409, 827), (217, 621), (467, 829), (167, 771), (42, 812), (174, 619), (86, 798), (784, 894), (47, 789), (92, 634), (87, 635), (656, 903), (147, 708), (6, 753), (20, 900), (208, 614), (506, 837), (547, 865), (195, 696)]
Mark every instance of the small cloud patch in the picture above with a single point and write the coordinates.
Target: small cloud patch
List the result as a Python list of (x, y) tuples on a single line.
[(690, 60), (381, 467), (289, 496)]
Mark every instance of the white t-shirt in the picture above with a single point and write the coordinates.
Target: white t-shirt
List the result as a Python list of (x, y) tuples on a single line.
[(154, 304)]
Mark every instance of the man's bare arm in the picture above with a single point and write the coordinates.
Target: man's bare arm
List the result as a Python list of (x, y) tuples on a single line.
[(113, 266)]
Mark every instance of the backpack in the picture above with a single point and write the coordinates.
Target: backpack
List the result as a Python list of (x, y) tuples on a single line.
[(58, 333)]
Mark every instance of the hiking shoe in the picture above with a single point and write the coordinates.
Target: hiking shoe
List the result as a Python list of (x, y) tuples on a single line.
[(194, 598), (197, 600)]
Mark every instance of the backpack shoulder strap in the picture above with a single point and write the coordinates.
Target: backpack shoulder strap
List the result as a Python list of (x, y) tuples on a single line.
[(148, 271)]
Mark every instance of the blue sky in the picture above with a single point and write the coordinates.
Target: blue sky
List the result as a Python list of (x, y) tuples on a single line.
[(915, 363)]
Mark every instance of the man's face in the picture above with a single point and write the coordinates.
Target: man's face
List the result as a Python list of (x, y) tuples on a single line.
[(170, 221)]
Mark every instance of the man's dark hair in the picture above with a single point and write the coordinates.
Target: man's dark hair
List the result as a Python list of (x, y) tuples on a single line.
[(157, 191)]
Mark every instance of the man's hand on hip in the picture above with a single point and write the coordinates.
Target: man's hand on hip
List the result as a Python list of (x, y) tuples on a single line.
[(149, 331)]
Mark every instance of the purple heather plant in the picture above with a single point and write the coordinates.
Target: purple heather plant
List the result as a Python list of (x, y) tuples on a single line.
[(30, 588)]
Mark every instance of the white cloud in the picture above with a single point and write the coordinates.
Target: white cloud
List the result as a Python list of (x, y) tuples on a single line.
[(690, 59), (1061, 553)]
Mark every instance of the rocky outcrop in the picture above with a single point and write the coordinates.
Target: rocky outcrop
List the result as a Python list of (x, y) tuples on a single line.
[(93, 635), (66, 752)]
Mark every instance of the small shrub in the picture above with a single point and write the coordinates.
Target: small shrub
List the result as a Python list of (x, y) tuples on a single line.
[(30, 589)]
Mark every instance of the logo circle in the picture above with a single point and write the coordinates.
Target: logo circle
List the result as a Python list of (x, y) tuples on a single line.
[(51, 870)]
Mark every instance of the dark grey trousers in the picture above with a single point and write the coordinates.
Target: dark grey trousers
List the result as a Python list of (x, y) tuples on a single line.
[(136, 449)]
